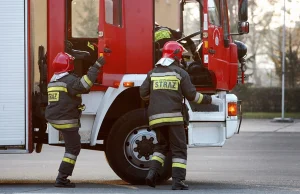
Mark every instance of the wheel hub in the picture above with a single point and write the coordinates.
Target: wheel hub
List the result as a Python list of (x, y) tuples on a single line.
[(139, 145)]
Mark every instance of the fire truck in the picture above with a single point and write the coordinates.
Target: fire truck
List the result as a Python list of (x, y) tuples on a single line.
[(115, 119)]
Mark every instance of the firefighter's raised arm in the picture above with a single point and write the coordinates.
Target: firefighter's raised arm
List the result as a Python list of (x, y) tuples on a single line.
[(84, 84)]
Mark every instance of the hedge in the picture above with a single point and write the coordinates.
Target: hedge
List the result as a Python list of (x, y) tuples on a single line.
[(267, 99)]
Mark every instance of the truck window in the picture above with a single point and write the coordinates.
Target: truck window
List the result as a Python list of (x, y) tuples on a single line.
[(113, 12), (85, 18), (213, 12), (191, 19)]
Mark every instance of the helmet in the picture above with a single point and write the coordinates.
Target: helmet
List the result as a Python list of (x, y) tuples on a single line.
[(63, 62), (172, 51)]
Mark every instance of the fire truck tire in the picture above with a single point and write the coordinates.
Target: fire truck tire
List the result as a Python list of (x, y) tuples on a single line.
[(128, 146)]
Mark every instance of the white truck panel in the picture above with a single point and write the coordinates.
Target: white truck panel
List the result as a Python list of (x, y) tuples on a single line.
[(13, 73)]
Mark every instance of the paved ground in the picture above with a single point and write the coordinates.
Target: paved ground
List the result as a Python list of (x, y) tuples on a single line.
[(263, 158)]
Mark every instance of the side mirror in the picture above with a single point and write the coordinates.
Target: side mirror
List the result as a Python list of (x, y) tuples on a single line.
[(243, 10), (243, 27)]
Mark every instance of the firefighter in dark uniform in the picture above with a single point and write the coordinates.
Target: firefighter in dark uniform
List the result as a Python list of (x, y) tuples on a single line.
[(165, 87), (64, 109), (162, 35)]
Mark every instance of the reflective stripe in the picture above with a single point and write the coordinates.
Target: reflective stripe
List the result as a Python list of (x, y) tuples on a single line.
[(53, 84), (165, 115), (179, 160), (68, 160), (198, 98), (78, 95), (86, 82), (71, 156), (60, 122), (159, 155), (65, 126), (179, 165), (169, 78), (166, 120), (55, 89), (158, 159), (166, 74)]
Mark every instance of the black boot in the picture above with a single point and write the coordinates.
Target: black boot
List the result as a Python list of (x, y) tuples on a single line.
[(179, 185), (151, 178), (62, 181)]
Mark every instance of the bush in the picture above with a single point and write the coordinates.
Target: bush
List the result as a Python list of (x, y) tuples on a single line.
[(267, 99)]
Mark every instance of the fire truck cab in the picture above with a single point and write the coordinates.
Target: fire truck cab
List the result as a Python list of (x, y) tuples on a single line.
[(115, 119)]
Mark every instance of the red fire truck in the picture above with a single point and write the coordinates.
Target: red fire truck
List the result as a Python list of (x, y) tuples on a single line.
[(115, 120)]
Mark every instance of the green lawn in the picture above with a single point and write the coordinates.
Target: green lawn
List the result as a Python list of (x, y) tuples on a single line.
[(269, 115)]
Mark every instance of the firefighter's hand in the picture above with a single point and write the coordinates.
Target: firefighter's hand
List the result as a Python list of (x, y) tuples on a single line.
[(100, 61), (216, 100)]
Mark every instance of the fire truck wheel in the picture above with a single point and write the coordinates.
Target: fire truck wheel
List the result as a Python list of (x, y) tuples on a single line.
[(129, 148)]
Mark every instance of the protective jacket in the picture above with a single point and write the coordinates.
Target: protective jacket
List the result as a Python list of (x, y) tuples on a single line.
[(165, 87), (64, 97)]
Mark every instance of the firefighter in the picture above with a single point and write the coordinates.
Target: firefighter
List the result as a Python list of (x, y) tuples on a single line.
[(65, 106), (164, 34), (164, 89)]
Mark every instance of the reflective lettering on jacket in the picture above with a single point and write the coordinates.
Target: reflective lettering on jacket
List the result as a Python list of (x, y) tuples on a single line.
[(54, 89), (162, 33), (165, 81)]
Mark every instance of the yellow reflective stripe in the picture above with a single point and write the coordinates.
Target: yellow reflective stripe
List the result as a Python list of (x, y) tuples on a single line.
[(65, 126), (62, 89), (179, 165), (166, 120), (170, 78), (68, 160), (87, 80), (158, 159), (90, 45), (78, 95), (200, 99)]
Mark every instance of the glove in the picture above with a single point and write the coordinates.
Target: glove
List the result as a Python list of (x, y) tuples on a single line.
[(216, 100), (100, 61)]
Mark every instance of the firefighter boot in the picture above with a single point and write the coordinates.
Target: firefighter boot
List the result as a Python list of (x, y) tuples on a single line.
[(151, 178), (62, 181), (179, 185)]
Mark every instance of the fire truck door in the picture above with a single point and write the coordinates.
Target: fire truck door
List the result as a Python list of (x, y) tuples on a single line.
[(216, 44), (112, 40)]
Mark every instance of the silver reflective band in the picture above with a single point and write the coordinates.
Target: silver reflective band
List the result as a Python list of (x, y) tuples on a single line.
[(159, 155), (61, 122), (53, 84), (196, 97), (179, 160), (165, 115), (98, 64), (166, 74), (84, 83), (71, 156)]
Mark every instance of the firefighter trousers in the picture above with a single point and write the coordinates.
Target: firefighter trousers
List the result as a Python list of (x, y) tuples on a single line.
[(172, 138), (72, 150)]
